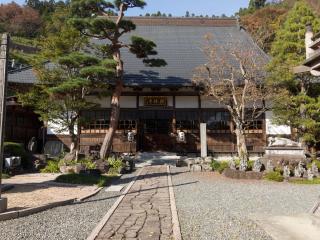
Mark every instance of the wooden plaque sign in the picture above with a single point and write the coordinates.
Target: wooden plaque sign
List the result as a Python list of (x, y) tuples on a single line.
[(155, 101)]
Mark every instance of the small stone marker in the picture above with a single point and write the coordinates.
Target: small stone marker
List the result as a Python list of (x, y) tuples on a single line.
[(232, 164), (257, 165), (270, 167), (286, 172), (203, 139), (299, 170), (310, 174), (315, 169)]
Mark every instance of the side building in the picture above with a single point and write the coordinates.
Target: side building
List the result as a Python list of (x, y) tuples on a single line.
[(157, 103)]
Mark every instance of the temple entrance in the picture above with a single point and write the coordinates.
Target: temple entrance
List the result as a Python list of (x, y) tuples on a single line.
[(154, 130)]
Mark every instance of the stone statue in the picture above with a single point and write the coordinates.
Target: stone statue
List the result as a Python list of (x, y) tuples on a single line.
[(32, 145), (315, 169), (232, 164), (299, 170), (257, 166), (282, 142), (270, 167), (286, 172), (243, 165), (310, 174), (72, 146)]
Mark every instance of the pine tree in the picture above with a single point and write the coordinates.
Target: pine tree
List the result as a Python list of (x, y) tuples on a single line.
[(89, 17), (297, 97), (59, 96), (257, 4)]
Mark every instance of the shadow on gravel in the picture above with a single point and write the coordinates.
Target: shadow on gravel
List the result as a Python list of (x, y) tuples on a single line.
[(132, 192)]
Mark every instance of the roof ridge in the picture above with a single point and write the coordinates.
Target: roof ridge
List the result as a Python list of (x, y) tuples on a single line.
[(183, 21)]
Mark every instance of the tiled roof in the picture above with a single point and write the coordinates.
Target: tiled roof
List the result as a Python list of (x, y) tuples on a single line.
[(179, 43)]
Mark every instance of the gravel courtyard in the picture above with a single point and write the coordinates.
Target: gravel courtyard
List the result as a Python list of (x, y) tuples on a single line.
[(213, 207), (68, 222)]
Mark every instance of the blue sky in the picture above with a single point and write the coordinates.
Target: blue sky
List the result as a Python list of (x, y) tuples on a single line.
[(179, 7)]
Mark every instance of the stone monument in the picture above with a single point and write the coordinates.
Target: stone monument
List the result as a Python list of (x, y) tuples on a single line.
[(315, 169), (243, 165), (286, 172), (270, 166), (299, 170), (257, 166), (310, 174), (282, 151), (232, 164)]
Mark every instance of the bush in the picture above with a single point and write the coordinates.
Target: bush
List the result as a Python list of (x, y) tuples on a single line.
[(215, 165), (88, 164), (84, 179), (250, 165), (317, 162), (223, 166), (17, 149), (5, 176), (52, 167), (115, 165), (219, 166), (274, 176)]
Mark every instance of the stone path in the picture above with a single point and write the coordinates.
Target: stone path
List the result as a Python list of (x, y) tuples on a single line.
[(145, 212)]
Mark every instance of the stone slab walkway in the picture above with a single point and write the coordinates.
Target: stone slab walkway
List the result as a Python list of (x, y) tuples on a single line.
[(145, 212)]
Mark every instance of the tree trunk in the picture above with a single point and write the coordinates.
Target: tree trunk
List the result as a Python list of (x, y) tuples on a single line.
[(114, 119), (115, 108), (242, 148)]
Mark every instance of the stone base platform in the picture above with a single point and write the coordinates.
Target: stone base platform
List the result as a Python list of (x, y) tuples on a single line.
[(236, 174)]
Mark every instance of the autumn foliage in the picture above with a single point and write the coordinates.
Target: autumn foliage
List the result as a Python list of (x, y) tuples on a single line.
[(19, 20)]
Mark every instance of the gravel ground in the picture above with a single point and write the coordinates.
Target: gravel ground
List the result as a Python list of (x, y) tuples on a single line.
[(68, 222), (213, 207)]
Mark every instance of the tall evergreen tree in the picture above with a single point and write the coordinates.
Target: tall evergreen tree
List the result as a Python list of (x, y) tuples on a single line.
[(257, 4), (298, 96), (91, 19)]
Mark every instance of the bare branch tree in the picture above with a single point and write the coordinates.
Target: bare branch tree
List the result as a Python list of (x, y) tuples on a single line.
[(234, 77)]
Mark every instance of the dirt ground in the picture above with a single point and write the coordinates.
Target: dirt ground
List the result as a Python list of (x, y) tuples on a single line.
[(32, 190)]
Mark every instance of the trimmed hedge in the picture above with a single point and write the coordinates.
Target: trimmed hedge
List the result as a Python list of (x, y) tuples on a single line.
[(17, 149), (219, 166)]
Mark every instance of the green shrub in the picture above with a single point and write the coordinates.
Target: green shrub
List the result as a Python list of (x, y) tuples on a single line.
[(219, 166), (52, 167), (223, 166), (274, 176), (317, 162), (306, 181), (89, 164), (17, 149), (84, 179), (5, 176), (250, 165), (115, 165), (215, 165)]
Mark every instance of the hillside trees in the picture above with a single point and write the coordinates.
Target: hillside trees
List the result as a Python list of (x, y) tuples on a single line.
[(298, 103), (91, 18), (19, 21)]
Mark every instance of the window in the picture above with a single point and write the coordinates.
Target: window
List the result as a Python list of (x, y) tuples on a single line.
[(217, 120), (187, 121)]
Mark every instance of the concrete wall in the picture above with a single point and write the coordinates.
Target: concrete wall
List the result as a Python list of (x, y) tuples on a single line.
[(274, 129)]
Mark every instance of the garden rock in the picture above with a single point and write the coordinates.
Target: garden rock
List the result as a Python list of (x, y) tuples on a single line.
[(257, 166), (196, 168), (232, 164), (270, 166), (286, 172), (315, 169)]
